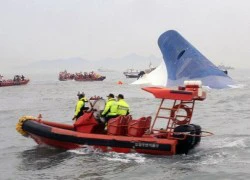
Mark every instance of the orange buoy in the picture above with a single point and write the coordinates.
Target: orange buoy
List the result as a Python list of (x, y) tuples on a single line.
[(119, 82)]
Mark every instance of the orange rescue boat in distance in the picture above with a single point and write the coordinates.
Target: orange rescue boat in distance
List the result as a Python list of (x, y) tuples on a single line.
[(125, 134), (13, 83), (18, 80)]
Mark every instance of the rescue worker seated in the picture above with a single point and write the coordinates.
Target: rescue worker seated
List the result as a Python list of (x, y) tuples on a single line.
[(1, 78), (22, 77), (122, 106), (110, 110), (80, 106), (16, 78)]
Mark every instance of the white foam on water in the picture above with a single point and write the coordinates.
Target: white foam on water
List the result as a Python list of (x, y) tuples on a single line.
[(116, 159), (236, 143), (157, 77), (214, 158), (230, 143), (237, 86), (136, 157), (110, 156), (85, 150), (206, 87), (126, 158), (77, 151)]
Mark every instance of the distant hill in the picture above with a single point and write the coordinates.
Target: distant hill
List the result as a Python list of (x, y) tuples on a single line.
[(55, 66), (130, 61), (77, 64)]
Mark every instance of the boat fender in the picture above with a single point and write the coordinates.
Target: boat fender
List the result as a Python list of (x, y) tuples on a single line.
[(188, 114), (19, 125)]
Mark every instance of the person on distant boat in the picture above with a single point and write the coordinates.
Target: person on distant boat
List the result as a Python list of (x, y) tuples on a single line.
[(1, 78), (141, 73), (225, 71), (110, 110), (80, 106), (22, 77), (122, 106), (16, 78)]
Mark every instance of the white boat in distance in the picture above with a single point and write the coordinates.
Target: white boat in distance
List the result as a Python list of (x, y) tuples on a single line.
[(132, 73)]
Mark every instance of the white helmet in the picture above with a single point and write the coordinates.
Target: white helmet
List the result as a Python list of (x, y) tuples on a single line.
[(80, 94)]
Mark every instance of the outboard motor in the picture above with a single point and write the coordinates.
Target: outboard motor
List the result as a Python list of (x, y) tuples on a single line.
[(197, 133), (185, 142)]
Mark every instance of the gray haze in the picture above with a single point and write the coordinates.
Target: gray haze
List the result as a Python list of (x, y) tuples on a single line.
[(33, 31)]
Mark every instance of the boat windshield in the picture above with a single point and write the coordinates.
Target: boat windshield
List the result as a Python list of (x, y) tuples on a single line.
[(99, 105)]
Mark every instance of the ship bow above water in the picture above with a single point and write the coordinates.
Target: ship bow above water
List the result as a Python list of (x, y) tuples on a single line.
[(184, 62)]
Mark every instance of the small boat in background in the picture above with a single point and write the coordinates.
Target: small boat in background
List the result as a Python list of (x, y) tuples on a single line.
[(92, 76), (132, 73), (17, 80), (64, 76)]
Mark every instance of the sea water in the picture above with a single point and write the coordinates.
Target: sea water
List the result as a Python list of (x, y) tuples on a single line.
[(225, 112)]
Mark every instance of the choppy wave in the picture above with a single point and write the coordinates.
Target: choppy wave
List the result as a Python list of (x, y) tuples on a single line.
[(126, 158), (238, 86)]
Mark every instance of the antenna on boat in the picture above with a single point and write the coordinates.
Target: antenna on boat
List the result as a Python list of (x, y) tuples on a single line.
[(39, 116), (150, 65)]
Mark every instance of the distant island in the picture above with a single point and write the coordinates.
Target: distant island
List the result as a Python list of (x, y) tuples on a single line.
[(223, 67), (105, 70), (77, 64)]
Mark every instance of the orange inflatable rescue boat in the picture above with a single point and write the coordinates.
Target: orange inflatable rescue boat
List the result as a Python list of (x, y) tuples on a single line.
[(169, 133)]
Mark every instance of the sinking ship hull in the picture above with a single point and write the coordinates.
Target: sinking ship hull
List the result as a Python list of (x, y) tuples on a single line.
[(184, 62)]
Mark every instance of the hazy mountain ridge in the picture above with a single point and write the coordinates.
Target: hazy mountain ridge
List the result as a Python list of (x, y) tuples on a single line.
[(77, 64)]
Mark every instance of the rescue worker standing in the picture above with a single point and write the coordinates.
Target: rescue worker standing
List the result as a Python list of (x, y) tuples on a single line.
[(110, 110), (1, 78), (122, 106), (80, 106)]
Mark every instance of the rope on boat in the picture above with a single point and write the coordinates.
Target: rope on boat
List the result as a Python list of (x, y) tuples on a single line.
[(206, 133), (203, 134), (19, 125)]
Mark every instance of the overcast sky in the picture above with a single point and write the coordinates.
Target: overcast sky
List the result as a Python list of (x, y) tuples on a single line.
[(34, 30)]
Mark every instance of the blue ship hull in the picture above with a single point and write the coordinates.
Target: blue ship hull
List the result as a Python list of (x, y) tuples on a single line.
[(185, 62)]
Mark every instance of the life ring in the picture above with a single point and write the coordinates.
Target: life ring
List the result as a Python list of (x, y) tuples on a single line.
[(188, 114)]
